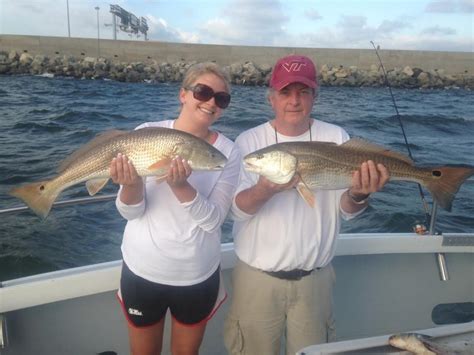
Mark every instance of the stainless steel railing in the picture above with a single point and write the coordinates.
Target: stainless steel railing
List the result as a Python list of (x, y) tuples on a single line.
[(74, 201), (94, 199)]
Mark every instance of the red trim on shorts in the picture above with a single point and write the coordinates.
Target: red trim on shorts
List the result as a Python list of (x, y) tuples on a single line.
[(205, 320), (129, 321)]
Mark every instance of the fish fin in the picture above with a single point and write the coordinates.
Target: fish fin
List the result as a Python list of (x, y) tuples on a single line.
[(364, 146), (430, 344), (161, 178), (446, 185), (95, 185), (39, 196), (99, 139), (160, 167), (306, 193)]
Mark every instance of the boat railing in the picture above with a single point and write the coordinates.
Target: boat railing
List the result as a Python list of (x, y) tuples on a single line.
[(64, 203), (110, 197)]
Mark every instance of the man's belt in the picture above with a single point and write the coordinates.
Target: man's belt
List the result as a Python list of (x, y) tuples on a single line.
[(293, 275)]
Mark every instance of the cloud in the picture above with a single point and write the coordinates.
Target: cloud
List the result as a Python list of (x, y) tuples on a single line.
[(248, 22), (450, 6), (353, 31), (313, 14), (438, 31), (466, 5), (431, 43), (160, 30), (40, 18), (39, 6), (389, 27)]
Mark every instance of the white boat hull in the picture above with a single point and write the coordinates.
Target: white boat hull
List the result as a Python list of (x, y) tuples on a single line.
[(386, 283)]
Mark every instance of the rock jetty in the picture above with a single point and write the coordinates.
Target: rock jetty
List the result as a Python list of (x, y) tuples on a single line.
[(245, 73)]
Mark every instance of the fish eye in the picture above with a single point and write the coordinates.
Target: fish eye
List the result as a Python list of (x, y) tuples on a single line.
[(436, 173)]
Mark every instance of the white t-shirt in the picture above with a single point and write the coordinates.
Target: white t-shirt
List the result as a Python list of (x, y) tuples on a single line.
[(286, 233), (175, 243)]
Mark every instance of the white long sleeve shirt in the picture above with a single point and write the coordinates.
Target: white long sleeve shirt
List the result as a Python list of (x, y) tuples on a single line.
[(175, 243), (286, 233)]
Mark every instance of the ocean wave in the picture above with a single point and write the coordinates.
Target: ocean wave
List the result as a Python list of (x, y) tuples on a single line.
[(437, 120), (38, 127), (15, 266)]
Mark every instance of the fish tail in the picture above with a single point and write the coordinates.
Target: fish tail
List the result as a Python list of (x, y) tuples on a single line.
[(445, 183), (39, 196), (434, 348)]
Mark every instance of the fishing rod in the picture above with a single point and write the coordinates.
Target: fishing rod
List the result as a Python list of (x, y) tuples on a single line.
[(440, 258), (387, 83)]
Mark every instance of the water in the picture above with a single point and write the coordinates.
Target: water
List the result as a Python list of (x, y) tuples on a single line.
[(42, 120)]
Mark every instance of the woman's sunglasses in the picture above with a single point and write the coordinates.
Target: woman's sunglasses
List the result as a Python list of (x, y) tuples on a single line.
[(204, 93)]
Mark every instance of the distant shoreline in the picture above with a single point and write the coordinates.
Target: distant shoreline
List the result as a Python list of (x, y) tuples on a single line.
[(137, 61)]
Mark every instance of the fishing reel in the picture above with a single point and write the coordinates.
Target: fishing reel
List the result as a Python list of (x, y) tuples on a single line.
[(419, 228)]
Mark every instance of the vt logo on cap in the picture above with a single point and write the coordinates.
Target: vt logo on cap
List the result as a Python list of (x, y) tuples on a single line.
[(293, 69), (293, 66)]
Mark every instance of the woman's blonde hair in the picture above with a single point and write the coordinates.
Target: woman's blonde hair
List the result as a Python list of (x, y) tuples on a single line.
[(196, 70)]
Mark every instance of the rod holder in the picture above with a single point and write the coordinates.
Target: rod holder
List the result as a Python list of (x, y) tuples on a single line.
[(440, 258), (3, 332), (442, 267)]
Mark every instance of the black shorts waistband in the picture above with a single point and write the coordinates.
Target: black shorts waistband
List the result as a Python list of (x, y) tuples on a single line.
[(292, 275)]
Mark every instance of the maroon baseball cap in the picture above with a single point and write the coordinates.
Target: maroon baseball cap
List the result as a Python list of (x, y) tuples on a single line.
[(293, 69)]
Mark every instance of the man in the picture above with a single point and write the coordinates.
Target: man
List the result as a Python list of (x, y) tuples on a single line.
[(283, 279)]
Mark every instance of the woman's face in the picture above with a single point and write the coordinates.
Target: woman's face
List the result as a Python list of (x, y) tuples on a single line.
[(206, 112)]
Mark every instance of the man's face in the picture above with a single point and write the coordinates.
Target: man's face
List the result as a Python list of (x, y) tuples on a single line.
[(293, 103)]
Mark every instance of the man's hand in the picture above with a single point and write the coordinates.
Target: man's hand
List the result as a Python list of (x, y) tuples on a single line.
[(270, 188), (368, 179), (253, 198)]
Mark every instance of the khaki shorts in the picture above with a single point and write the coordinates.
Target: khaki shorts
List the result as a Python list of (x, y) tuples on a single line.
[(263, 307)]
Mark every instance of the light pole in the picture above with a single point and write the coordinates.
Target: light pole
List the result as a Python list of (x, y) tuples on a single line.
[(68, 26), (98, 32)]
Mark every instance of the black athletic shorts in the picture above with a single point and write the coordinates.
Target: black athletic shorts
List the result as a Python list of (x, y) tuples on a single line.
[(145, 303)]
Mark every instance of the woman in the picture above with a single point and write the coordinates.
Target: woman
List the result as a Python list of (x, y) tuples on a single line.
[(171, 244)]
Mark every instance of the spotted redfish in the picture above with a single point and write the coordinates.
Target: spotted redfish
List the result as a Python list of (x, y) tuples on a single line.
[(323, 165), (150, 149)]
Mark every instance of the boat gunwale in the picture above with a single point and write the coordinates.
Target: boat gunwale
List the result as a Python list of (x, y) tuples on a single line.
[(382, 340), (87, 280)]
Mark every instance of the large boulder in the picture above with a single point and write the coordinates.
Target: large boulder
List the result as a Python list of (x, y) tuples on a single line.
[(13, 55), (26, 59), (408, 71)]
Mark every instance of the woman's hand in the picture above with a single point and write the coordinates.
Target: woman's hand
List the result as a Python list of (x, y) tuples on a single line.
[(123, 172), (178, 173), (177, 180)]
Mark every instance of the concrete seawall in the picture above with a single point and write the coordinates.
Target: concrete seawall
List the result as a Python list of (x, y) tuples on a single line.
[(140, 51)]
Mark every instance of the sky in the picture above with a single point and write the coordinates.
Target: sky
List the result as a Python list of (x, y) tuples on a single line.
[(437, 25)]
